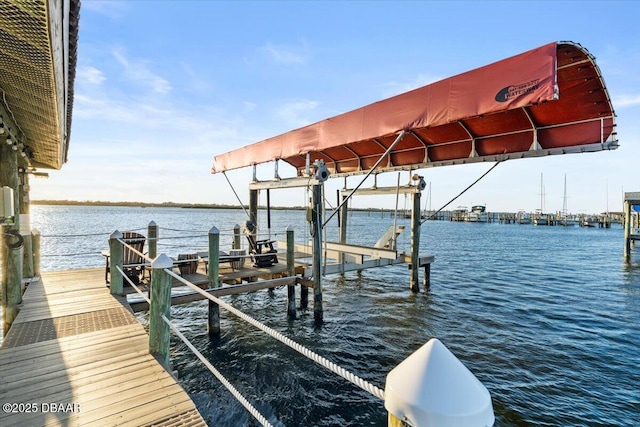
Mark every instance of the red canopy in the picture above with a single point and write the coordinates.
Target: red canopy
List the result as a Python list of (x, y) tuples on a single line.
[(549, 100)]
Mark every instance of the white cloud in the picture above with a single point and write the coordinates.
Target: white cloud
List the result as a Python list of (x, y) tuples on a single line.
[(286, 55), (138, 71), (248, 106), (623, 101), (293, 113), (90, 75), (110, 9), (395, 88)]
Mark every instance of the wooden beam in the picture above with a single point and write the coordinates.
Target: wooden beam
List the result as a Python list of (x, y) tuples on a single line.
[(405, 189), (284, 183), (191, 296)]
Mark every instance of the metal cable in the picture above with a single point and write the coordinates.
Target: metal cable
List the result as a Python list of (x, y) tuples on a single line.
[(461, 193), (352, 378), (237, 197), (253, 411), (138, 290)]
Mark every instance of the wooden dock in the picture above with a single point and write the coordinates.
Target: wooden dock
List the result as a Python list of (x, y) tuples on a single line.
[(76, 355)]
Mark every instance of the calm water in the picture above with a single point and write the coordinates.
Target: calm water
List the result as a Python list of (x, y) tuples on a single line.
[(548, 318)]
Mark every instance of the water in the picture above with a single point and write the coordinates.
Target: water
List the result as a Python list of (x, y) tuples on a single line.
[(548, 318)]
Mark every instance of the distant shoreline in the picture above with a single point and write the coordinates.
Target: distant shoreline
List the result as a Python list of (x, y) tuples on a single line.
[(202, 206), (144, 204)]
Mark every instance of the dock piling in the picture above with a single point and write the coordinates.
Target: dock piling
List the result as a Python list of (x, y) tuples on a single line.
[(415, 242), (115, 259), (213, 318), (35, 242), (152, 233), (316, 221), (237, 244), (291, 270), (159, 333), (12, 279)]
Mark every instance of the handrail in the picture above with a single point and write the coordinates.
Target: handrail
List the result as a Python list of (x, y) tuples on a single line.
[(352, 378), (239, 397)]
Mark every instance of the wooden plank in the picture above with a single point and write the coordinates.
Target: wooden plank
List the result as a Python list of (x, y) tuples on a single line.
[(362, 250), (191, 296), (108, 372)]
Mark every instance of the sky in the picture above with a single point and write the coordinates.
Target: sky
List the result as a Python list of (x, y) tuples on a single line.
[(164, 86)]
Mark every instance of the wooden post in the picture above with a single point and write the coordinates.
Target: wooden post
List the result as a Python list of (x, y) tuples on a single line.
[(36, 236), (160, 306), (415, 242), (627, 229), (291, 269), (344, 210), (213, 325), (237, 242), (25, 223), (316, 221), (152, 237), (253, 207), (12, 259), (12, 281), (115, 259), (426, 279)]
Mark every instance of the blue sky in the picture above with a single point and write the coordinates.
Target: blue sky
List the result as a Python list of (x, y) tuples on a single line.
[(163, 86)]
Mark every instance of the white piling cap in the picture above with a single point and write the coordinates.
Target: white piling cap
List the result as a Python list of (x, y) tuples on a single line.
[(433, 388)]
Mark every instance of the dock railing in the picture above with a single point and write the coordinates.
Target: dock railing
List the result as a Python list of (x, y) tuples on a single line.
[(402, 407), (160, 324)]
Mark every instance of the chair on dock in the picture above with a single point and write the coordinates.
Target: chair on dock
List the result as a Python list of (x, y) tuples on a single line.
[(188, 263), (262, 252), (132, 262)]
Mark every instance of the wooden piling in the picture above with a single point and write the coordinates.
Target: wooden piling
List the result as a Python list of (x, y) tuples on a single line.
[(291, 269), (627, 229), (253, 207), (115, 259), (415, 242), (316, 219), (237, 241), (213, 323), (25, 222), (12, 258), (344, 212), (35, 242), (159, 333), (12, 280), (152, 238)]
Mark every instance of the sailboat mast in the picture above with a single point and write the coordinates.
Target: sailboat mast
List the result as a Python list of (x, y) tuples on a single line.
[(564, 201)]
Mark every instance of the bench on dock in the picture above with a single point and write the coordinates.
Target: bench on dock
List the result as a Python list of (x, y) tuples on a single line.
[(262, 252), (133, 264)]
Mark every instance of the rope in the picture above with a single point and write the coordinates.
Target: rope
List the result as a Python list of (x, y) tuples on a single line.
[(19, 240), (75, 254), (88, 234), (135, 251), (138, 290), (461, 193), (253, 411), (363, 384), (237, 197), (75, 235)]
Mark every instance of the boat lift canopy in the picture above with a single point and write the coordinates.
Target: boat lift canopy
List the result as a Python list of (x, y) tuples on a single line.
[(550, 100)]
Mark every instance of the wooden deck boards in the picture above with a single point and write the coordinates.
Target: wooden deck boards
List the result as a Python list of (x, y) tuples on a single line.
[(75, 344)]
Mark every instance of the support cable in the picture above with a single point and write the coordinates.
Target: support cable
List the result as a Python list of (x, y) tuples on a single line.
[(398, 139), (248, 406), (236, 194), (352, 378), (461, 193), (137, 289)]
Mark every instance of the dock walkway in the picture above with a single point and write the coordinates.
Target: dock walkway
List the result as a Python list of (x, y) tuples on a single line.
[(76, 355)]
